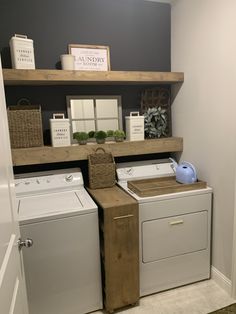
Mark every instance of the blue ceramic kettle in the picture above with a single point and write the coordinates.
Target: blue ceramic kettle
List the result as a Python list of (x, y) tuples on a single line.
[(185, 172)]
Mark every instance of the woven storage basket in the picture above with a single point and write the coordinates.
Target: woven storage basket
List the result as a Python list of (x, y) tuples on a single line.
[(102, 172), (25, 126)]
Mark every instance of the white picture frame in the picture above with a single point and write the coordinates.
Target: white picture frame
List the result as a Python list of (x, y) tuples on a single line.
[(90, 57)]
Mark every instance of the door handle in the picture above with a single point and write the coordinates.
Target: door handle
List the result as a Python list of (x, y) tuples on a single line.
[(26, 243), (176, 222), (122, 217)]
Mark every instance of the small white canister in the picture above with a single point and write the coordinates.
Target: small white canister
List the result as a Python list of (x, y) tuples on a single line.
[(60, 130), (67, 62), (134, 127), (22, 52)]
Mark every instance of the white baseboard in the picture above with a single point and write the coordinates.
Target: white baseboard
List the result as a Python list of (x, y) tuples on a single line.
[(224, 282)]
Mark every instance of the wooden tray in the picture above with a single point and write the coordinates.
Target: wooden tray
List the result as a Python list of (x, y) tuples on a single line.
[(160, 186)]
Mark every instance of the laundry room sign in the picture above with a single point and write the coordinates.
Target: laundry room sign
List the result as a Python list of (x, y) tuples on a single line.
[(90, 58)]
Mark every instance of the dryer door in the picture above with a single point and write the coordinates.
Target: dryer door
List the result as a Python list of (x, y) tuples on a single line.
[(173, 236)]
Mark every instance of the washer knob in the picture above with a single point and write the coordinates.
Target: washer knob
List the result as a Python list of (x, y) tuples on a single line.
[(69, 178), (129, 171)]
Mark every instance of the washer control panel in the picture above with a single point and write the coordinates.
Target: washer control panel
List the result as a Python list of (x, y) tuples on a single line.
[(35, 183)]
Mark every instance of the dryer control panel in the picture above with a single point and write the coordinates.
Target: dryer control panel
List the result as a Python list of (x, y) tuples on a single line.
[(144, 170)]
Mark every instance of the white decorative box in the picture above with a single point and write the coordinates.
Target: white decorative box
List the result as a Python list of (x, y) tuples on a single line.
[(22, 52), (60, 130), (134, 127)]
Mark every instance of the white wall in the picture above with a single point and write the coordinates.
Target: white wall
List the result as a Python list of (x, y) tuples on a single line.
[(204, 111)]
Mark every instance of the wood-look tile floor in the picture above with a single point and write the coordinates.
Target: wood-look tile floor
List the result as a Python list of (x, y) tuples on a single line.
[(199, 298)]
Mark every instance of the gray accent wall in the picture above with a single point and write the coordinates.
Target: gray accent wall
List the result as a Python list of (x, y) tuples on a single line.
[(137, 31)]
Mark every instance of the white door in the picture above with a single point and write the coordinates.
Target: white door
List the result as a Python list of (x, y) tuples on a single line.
[(12, 285)]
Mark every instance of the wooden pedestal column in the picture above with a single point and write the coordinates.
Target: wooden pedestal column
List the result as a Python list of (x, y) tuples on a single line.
[(118, 215)]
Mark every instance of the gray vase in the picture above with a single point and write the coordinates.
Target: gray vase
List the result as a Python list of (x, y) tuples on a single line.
[(100, 140), (83, 142), (119, 139)]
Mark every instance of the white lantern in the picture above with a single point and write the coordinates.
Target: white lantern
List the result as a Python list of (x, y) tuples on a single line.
[(134, 127), (60, 130), (22, 52)]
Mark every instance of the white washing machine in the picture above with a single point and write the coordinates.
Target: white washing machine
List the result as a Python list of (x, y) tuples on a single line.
[(62, 268), (175, 230)]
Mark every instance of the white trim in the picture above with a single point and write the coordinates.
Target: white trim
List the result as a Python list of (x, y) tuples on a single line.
[(233, 270), (224, 282), (6, 258), (15, 296)]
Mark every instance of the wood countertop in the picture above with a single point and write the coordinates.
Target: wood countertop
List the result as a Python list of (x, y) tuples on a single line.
[(111, 197)]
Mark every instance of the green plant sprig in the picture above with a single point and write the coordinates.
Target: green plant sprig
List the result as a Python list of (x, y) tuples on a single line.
[(155, 122)]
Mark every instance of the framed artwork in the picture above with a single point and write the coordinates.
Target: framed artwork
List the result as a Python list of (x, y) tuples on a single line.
[(90, 57)]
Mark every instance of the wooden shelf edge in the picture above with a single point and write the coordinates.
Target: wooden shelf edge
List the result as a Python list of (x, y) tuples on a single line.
[(62, 77), (46, 154)]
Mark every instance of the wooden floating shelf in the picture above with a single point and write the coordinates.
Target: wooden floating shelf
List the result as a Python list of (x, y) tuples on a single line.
[(46, 154), (62, 77)]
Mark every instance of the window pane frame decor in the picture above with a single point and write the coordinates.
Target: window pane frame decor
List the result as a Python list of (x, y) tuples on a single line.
[(96, 101)]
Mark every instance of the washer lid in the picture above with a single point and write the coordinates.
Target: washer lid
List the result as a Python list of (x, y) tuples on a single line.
[(46, 205)]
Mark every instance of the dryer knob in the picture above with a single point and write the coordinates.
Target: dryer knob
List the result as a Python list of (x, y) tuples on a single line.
[(69, 178)]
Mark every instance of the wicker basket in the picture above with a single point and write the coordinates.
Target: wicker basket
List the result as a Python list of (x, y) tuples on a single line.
[(25, 126), (102, 172)]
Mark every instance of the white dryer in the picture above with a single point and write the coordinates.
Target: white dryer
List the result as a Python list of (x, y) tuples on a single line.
[(62, 268), (175, 230)]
